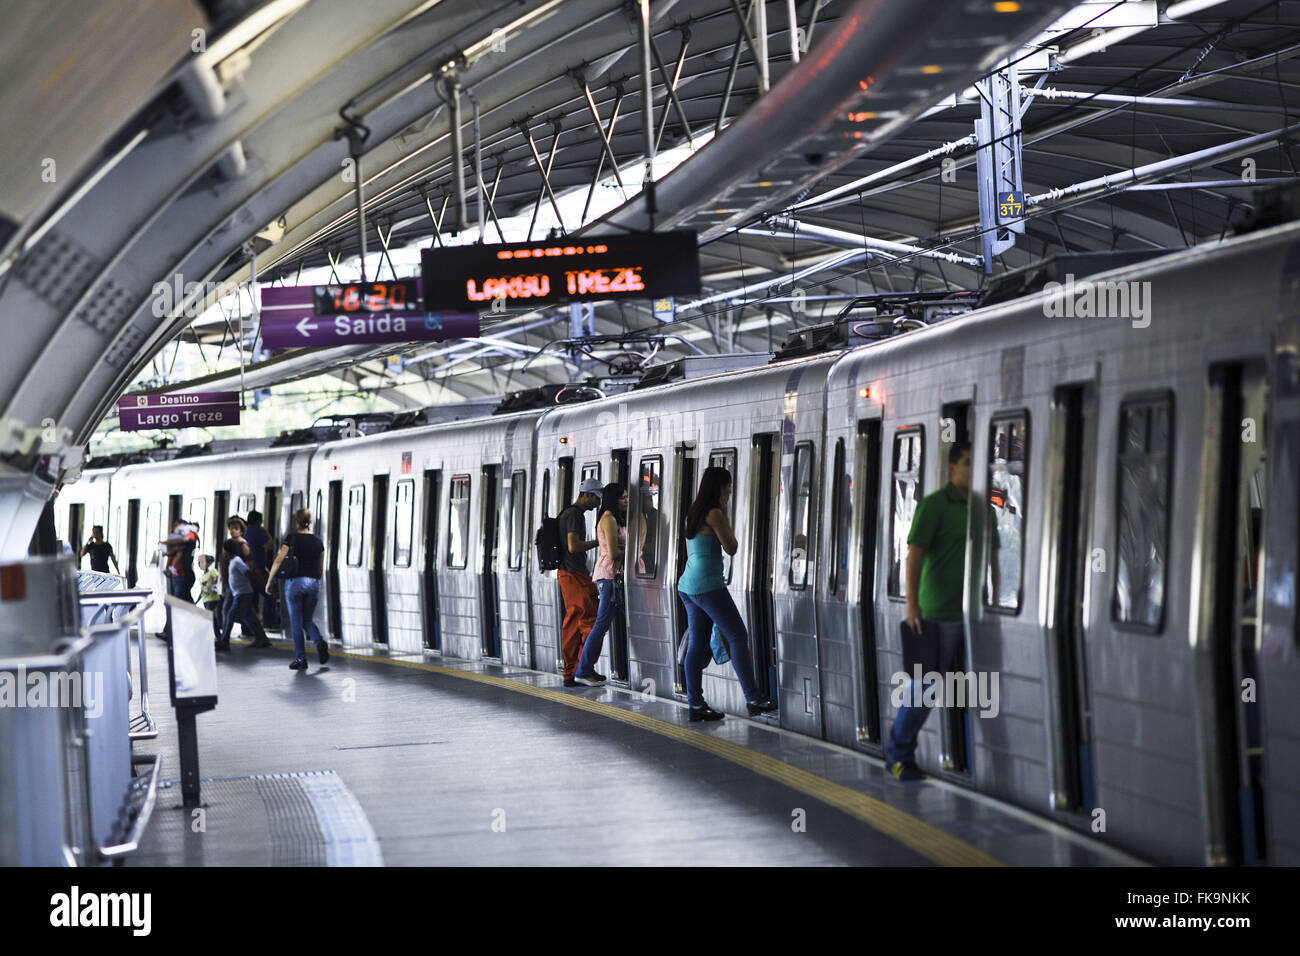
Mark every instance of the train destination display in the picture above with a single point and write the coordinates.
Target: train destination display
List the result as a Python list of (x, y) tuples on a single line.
[(640, 266), (177, 410), (369, 314)]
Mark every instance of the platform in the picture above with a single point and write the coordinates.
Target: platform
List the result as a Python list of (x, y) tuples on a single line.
[(400, 759)]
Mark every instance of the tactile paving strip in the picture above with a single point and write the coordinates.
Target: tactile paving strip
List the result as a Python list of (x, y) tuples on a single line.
[(311, 819)]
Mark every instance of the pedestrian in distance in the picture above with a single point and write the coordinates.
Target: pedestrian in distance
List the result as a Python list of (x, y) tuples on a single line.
[(936, 563), (100, 551), (703, 590), (299, 563), (241, 605), (236, 526), (611, 537), (209, 591), (576, 586)]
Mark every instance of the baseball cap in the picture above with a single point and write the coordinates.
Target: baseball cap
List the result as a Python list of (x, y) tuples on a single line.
[(591, 485)]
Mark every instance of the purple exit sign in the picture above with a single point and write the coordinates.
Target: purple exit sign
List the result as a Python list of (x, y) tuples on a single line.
[(177, 410)]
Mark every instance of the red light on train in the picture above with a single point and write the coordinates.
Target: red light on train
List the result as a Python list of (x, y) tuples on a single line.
[(13, 583)]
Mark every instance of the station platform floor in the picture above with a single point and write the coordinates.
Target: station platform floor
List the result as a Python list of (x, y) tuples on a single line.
[(406, 759)]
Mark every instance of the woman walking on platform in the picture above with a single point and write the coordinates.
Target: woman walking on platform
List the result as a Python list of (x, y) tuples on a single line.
[(611, 536), (303, 552), (703, 590)]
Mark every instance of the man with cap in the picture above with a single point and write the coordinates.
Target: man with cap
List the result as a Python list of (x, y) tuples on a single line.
[(580, 596)]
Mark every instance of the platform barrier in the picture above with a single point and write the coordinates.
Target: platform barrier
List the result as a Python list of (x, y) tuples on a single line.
[(71, 793)]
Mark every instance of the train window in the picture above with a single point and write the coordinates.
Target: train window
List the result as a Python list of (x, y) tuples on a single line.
[(97, 516), (800, 526), (458, 523), (648, 520), (726, 458), (315, 518), (546, 493), (1005, 538), (244, 504), (356, 524), (518, 516), (909, 444), (403, 522), (841, 510), (1143, 502), (591, 469), (196, 510), (116, 531)]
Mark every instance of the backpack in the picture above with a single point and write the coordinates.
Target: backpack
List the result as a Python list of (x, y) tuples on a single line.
[(548, 544), (289, 566)]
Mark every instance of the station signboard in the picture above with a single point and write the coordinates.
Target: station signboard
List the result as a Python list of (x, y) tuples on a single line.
[(370, 313), (177, 410), (634, 266)]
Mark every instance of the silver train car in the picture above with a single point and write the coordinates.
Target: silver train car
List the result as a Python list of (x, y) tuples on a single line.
[(1130, 577)]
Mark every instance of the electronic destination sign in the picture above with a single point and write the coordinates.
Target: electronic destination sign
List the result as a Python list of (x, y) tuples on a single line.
[(633, 266), (351, 298)]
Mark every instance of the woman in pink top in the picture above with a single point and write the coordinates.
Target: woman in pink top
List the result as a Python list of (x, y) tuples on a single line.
[(612, 538)]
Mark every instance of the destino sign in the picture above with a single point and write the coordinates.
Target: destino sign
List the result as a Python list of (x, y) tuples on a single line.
[(177, 410)]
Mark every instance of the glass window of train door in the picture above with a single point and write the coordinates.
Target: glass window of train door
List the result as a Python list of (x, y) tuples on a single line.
[(458, 522), (316, 518), (1142, 512), (356, 525), (648, 521), (403, 522), (840, 520), (591, 469), (196, 511), (546, 493), (905, 493), (725, 458), (1004, 534), (518, 516), (801, 514)]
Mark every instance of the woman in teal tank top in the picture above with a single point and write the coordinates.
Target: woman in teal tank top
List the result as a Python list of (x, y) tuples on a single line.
[(703, 590)]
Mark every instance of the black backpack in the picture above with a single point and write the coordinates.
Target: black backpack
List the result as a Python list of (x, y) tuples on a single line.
[(289, 566), (550, 553)]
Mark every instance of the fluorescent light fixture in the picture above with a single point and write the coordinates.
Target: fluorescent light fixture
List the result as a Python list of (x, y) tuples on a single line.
[(1186, 8)]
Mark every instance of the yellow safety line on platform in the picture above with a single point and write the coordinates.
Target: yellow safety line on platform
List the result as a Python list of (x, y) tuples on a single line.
[(928, 840)]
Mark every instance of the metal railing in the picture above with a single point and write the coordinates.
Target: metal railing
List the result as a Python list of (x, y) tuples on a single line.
[(143, 726), (71, 792)]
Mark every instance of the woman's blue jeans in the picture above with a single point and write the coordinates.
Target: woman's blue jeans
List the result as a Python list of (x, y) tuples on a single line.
[(595, 641), (703, 611), (300, 597)]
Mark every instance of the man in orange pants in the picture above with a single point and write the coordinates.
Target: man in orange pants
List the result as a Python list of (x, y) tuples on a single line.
[(580, 595)]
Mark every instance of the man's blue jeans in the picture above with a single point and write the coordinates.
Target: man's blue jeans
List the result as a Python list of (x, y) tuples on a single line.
[(702, 612), (595, 640), (910, 719), (300, 597)]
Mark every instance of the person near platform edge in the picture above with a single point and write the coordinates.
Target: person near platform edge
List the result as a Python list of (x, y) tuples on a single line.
[(576, 586), (209, 594), (936, 561), (703, 590), (180, 546), (241, 605), (259, 546), (100, 551), (302, 587), (611, 535), (236, 526)]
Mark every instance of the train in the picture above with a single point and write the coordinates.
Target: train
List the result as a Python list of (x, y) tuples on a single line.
[(1130, 567)]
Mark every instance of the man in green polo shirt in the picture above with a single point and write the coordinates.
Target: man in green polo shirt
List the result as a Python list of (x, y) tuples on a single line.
[(936, 565)]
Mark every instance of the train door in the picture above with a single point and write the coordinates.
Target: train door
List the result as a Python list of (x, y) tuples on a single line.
[(764, 495), (432, 625), (1072, 440), (273, 502), (132, 541), (684, 470), (1234, 758), (619, 664), (76, 518), (867, 508), (175, 507), (564, 486), (334, 534), (491, 526), (378, 560), (220, 511), (954, 729)]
